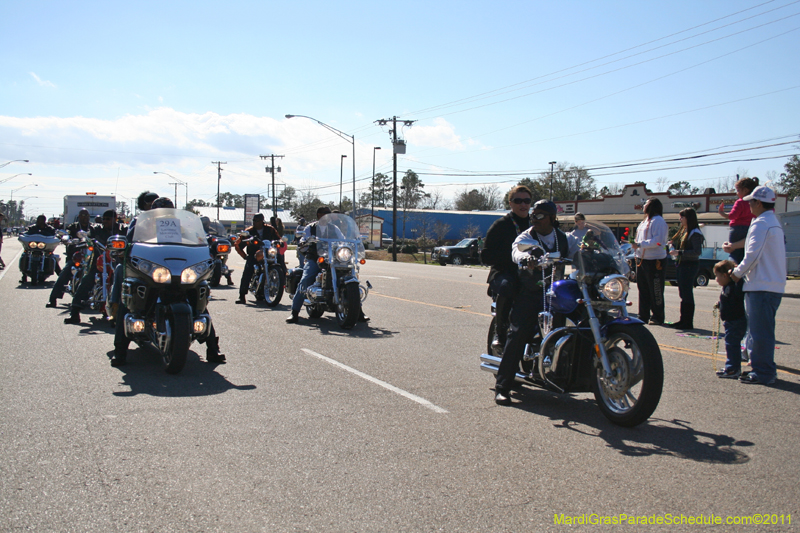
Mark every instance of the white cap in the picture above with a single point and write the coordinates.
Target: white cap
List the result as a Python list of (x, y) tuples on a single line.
[(762, 193)]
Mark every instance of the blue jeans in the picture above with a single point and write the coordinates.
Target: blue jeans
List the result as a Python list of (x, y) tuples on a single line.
[(761, 308), (310, 271), (734, 333)]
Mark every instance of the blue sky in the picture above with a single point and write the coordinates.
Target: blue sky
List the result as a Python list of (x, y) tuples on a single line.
[(99, 95)]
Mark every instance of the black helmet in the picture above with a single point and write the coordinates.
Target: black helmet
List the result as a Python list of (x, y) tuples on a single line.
[(163, 202)]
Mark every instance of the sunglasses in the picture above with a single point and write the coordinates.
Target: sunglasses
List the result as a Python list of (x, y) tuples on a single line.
[(519, 201), (538, 216)]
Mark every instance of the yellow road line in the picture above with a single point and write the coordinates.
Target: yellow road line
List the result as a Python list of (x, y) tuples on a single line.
[(431, 305)]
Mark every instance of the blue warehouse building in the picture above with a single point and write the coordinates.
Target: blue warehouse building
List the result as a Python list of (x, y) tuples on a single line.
[(418, 221)]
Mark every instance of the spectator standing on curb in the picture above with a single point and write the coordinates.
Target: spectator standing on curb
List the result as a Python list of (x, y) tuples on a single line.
[(651, 237), (740, 217), (764, 271), (732, 314), (688, 244)]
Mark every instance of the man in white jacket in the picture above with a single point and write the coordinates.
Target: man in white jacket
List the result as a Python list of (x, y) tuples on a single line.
[(764, 271)]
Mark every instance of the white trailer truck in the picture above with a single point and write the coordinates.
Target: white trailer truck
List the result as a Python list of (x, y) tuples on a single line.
[(96, 205)]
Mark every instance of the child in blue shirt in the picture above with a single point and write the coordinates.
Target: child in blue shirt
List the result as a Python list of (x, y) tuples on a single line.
[(731, 311)]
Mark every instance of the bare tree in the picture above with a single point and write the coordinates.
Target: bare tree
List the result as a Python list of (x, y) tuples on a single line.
[(661, 183), (470, 230), (440, 230)]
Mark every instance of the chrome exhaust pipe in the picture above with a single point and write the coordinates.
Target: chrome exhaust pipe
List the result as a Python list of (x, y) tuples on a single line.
[(491, 363)]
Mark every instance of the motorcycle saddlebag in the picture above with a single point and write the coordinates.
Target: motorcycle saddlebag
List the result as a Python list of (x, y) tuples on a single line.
[(293, 279)]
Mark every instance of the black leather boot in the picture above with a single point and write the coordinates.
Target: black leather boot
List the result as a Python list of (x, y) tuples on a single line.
[(74, 316), (213, 354)]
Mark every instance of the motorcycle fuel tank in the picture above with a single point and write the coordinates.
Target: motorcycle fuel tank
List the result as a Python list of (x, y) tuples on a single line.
[(566, 294)]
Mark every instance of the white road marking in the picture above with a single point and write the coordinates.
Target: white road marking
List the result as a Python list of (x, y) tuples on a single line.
[(401, 392), (384, 277), (16, 258)]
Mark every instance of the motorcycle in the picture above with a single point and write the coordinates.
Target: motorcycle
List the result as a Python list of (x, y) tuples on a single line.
[(219, 246), (38, 260), (80, 257), (166, 288), (268, 280), (107, 256), (337, 288), (599, 349)]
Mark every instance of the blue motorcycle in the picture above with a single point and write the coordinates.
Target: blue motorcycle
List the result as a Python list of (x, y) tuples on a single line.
[(586, 342)]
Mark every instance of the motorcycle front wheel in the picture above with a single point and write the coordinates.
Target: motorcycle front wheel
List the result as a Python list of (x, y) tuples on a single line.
[(217, 275), (638, 376), (349, 306), (273, 287), (179, 343)]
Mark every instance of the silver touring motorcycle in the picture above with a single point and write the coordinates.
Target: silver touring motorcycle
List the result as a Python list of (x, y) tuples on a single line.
[(599, 349), (165, 289), (337, 287)]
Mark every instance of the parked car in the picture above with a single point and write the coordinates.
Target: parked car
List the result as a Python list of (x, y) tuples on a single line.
[(385, 240), (466, 251), (708, 258)]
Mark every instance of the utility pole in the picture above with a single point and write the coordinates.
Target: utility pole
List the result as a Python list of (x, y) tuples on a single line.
[(272, 170), (551, 163), (176, 191), (399, 147), (219, 177)]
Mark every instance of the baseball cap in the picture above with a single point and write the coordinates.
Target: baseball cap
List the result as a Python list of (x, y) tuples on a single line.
[(762, 193), (547, 206)]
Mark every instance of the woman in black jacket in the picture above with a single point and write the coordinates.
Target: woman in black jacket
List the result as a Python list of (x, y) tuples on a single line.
[(497, 254), (688, 243)]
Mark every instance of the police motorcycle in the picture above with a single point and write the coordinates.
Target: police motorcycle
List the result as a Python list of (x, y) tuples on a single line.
[(269, 278), (165, 288), (599, 349), (38, 260), (337, 289)]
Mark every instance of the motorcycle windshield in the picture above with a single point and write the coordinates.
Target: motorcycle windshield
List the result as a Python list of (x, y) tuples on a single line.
[(215, 228), (169, 226), (339, 227), (600, 253)]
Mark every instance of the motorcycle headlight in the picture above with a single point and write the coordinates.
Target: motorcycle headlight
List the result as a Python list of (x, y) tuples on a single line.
[(192, 273), (614, 288), (40, 245), (161, 275), (344, 254), (272, 253)]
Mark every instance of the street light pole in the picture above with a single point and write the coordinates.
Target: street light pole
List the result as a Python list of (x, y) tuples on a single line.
[(372, 212), (15, 175), (19, 189), (551, 163), (349, 138), (14, 161), (341, 174)]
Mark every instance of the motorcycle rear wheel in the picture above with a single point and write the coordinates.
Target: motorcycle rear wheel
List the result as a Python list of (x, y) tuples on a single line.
[(273, 287), (180, 341), (635, 358), (349, 306)]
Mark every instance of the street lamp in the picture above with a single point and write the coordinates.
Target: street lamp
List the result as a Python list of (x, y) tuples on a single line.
[(341, 173), (177, 182), (19, 189), (372, 213), (15, 175), (15, 161), (349, 138), (551, 163)]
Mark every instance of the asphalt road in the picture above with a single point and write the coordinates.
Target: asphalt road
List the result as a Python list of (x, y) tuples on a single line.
[(388, 427)]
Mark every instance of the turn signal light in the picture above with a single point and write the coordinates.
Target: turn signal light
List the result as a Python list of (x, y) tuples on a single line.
[(320, 260), (223, 248), (118, 245), (363, 261)]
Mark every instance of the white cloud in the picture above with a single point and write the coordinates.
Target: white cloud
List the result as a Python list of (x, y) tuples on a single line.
[(43, 83), (440, 135)]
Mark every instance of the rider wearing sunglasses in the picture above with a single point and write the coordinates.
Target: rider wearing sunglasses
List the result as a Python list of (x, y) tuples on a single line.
[(496, 252), (529, 300)]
